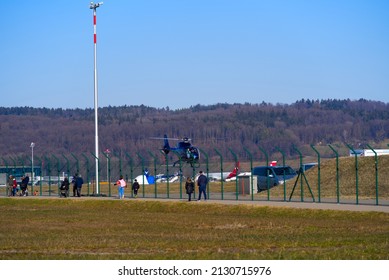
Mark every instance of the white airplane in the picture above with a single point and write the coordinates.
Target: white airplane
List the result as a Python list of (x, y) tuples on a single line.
[(147, 179), (226, 176)]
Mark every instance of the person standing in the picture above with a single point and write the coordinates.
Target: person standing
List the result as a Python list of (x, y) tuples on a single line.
[(14, 186), (74, 182), (121, 183), (135, 188), (79, 182), (65, 188), (24, 185), (202, 182), (189, 186), (10, 185)]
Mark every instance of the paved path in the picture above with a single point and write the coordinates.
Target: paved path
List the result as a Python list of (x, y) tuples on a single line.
[(299, 205)]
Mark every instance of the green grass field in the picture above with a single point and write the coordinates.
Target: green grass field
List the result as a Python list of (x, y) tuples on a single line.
[(53, 228)]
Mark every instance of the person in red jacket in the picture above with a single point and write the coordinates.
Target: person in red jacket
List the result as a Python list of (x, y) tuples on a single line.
[(14, 186)]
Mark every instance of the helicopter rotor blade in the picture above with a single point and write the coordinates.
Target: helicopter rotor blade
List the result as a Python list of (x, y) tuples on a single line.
[(162, 138)]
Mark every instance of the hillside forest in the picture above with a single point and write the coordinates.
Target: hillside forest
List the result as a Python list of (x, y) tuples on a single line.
[(224, 127)]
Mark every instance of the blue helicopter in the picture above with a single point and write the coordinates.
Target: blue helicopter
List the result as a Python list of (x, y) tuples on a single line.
[(185, 151)]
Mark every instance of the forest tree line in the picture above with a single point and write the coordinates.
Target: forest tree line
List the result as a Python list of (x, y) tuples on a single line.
[(224, 127)]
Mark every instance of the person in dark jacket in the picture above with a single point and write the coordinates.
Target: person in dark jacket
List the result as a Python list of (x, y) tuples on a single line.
[(189, 186), (24, 185), (79, 182), (74, 182), (135, 188), (202, 182), (65, 187)]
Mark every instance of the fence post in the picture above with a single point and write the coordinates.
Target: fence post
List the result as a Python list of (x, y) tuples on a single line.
[(6, 164), (267, 175), (318, 173), (49, 170), (130, 161), (180, 171), (109, 172), (236, 177), (32, 170), (167, 175), (301, 172), (221, 173), (87, 170), (356, 173), (337, 172), (119, 156), (58, 174), (6, 179), (302, 176), (206, 171), (143, 173), (14, 161), (155, 173), (67, 165), (251, 172), (21, 164), (41, 175), (283, 164), (97, 181), (376, 172), (77, 163)]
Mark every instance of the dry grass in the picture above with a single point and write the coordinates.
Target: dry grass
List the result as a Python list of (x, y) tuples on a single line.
[(116, 229), (347, 179)]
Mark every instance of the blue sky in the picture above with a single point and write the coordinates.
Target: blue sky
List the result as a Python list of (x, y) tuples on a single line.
[(179, 53)]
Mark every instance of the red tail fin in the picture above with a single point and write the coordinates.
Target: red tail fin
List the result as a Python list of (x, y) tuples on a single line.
[(234, 172)]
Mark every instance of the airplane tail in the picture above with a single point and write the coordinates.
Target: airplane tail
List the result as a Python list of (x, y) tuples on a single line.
[(234, 172), (166, 146), (150, 179)]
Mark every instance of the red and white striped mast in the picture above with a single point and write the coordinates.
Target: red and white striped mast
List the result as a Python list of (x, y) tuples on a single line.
[(94, 6)]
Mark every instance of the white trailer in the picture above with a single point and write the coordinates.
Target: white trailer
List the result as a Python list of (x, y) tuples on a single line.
[(369, 153)]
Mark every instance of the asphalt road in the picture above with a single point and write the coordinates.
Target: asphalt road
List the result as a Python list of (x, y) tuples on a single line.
[(299, 205)]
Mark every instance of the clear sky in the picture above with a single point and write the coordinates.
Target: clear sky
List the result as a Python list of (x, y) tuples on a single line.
[(179, 53)]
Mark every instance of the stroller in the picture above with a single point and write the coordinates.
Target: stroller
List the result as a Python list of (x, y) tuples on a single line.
[(24, 190), (64, 189), (24, 186)]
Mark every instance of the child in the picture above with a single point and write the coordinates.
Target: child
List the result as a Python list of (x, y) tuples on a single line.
[(135, 188)]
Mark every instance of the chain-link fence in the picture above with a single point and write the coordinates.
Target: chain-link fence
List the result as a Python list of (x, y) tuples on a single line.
[(315, 177)]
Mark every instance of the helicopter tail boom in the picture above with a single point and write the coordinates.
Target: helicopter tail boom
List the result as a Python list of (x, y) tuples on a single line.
[(166, 147)]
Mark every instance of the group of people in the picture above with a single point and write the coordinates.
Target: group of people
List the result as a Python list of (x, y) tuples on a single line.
[(77, 182), (13, 188), (121, 183), (202, 182)]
